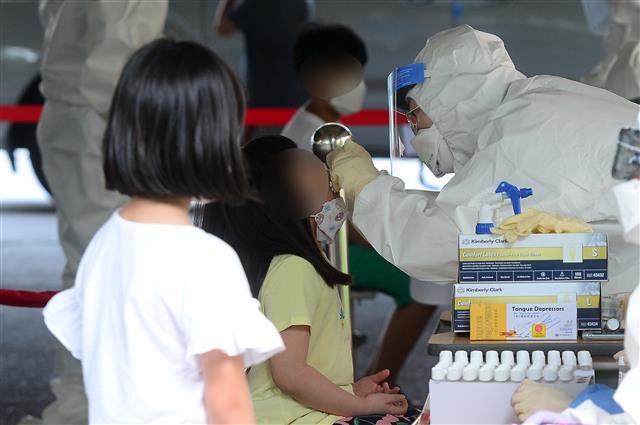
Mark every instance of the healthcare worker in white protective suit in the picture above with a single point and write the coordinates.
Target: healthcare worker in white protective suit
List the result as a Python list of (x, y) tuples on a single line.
[(476, 116), (618, 21), (85, 47), (601, 405)]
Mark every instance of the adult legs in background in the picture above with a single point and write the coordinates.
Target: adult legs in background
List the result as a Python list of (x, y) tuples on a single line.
[(405, 324), (72, 161)]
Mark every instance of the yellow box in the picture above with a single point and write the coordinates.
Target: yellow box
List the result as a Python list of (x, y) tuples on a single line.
[(500, 322)]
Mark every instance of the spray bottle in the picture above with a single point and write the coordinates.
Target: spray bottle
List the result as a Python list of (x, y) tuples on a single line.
[(489, 201)]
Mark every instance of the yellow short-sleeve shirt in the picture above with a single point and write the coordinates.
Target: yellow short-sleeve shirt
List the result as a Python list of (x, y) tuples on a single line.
[(293, 293)]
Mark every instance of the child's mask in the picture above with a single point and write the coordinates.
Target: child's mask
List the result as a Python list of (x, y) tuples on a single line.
[(330, 219)]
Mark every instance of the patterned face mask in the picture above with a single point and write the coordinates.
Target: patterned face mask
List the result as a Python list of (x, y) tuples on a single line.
[(330, 219)]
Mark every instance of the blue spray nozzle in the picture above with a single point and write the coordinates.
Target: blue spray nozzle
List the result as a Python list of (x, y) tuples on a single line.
[(514, 194)]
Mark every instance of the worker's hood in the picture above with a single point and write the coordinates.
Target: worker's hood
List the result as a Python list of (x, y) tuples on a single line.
[(468, 73)]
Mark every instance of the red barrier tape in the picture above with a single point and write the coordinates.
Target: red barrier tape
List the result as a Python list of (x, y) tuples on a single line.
[(25, 298), (30, 114)]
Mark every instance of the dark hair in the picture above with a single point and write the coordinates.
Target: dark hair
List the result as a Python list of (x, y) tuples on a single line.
[(326, 44), (175, 124), (259, 230)]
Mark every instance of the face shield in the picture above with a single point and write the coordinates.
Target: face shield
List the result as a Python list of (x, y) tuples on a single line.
[(402, 122)]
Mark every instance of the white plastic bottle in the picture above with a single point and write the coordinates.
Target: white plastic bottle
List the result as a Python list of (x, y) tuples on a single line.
[(470, 372), (518, 372), (553, 358), (492, 358), (502, 373), (538, 358), (445, 359), (550, 373), (522, 358), (485, 374), (569, 358), (585, 362), (565, 373), (476, 358), (461, 358), (454, 372), (534, 373), (506, 357)]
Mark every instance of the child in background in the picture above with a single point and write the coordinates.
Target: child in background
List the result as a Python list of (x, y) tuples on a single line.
[(277, 241), (330, 60), (161, 314)]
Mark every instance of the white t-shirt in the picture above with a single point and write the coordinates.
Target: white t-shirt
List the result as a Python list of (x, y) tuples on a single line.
[(148, 299), (301, 126)]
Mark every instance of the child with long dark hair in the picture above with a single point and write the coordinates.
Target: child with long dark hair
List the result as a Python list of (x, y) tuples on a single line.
[(276, 237), (161, 314)]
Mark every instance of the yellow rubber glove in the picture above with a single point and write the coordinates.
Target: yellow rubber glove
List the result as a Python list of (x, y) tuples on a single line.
[(531, 397), (534, 221), (351, 169)]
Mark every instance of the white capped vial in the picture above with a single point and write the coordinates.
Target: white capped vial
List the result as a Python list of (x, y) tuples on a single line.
[(522, 357), (518, 373), (502, 373), (454, 373), (534, 373), (584, 360), (470, 372), (445, 359), (550, 373), (461, 358), (485, 374), (506, 357), (569, 358), (476, 357), (438, 373), (565, 373), (492, 358), (553, 358), (537, 358)]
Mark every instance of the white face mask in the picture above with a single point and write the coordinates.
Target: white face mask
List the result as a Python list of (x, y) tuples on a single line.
[(350, 102), (330, 219), (628, 196), (434, 151)]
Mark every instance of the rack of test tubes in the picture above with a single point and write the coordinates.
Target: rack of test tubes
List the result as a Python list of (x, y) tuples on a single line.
[(485, 381)]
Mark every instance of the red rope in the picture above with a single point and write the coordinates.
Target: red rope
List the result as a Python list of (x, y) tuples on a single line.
[(25, 298), (26, 114), (30, 114)]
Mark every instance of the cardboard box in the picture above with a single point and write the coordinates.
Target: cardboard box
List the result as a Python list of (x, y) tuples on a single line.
[(587, 299), (548, 257), (484, 402), (502, 322)]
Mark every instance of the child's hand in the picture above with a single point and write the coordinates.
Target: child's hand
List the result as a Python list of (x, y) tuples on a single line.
[(392, 404), (371, 384)]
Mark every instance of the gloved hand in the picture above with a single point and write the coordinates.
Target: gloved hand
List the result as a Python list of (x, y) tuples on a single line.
[(531, 397), (534, 221), (351, 169)]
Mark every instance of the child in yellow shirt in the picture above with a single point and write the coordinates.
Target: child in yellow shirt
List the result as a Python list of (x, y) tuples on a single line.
[(276, 237)]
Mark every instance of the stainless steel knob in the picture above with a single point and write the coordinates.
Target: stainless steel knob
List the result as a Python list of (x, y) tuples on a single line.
[(327, 137)]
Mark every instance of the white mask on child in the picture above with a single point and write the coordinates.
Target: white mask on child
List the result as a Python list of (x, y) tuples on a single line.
[(330, 219), (350, 102)]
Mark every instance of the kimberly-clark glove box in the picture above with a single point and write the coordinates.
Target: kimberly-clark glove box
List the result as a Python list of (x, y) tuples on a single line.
[(587, 296), (460, 402), (537, 257)]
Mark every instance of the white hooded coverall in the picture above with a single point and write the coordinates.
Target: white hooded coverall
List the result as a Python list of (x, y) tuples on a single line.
[(551, 134), (85, 47), (619, 70)]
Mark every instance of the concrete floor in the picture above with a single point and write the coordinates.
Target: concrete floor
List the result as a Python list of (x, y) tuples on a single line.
[(31, 259)]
